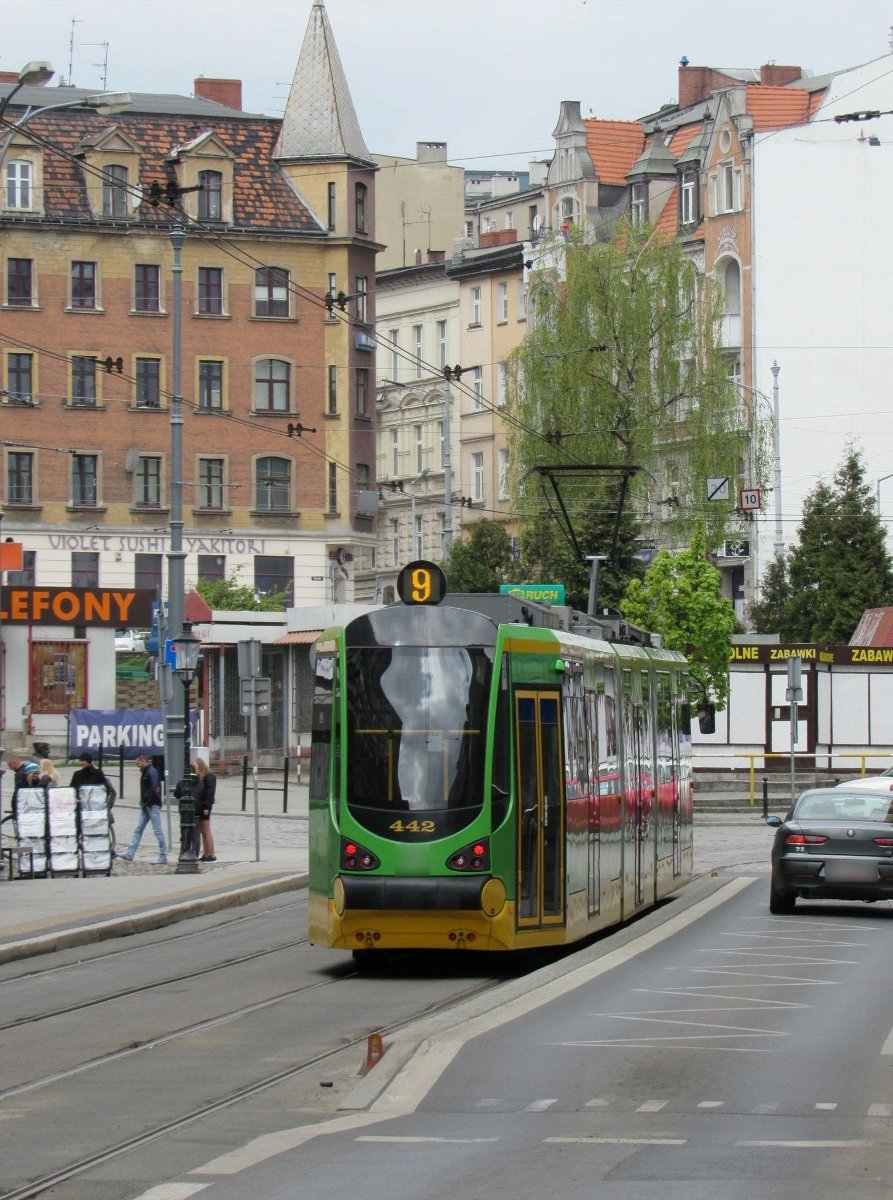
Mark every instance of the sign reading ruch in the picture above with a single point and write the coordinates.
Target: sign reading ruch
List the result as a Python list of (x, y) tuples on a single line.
[(542, 593), (114, 608)]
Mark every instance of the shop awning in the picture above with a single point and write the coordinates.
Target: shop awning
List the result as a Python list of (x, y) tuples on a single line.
[(303, 637)]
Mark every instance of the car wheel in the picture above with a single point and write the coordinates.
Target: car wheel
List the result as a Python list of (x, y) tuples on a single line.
[(779, 902)]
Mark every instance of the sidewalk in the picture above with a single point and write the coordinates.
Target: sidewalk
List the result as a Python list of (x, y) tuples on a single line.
[(39, 915)]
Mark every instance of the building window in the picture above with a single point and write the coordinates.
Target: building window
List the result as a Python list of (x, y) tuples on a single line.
[(272, 385), (84, 569), (477, 387), (395, 452), (418, 335), (274, 575), (469, 231), (503, 474), (147, 481), (147, 572), (441, 344), (271, 292), (148, 382), (502, 302), (19, 286), (362, 295), (419, 447), (639, 205), (19, 477), (84, 468), (360, 207), (211, 566), (210, 291), (210, 385), (394, 338), (333, 488), (19, 378), (333, 391), (114, 191), (475, 312), (688, 212), (83, 285), (210, 483), (533, 221), (83, 381), (272, 477), (210, 198), (362, 381), (395, 541), (503, 380), (147, 287), (19, 174), (477, 476), (331, 219), (726, 188), (510, 220)]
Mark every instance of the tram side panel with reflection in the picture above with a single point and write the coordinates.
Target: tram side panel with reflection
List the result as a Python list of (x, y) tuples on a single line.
[(481, 780)]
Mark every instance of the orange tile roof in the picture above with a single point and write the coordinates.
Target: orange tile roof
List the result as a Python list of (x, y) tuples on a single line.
[(683, 137), (667, 222), (777, 107), (613, 147), (815, 100)]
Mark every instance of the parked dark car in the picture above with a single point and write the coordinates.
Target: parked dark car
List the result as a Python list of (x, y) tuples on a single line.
[(834, 844)]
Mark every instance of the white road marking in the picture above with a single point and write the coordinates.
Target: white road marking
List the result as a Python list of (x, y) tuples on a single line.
[(801, 939), (173, 1191), (442, 1141), (615, 1141), (599, 1103), (887, 1047), (540, 1105), (652, 1106), (826, 1107), (815, 1144), (711, 1104), (488, 1102), (805, 960), (650, 1019), (880, 1110)]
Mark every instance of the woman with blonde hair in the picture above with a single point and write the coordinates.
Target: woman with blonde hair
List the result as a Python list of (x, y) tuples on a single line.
[(48, 775), (203, 789)]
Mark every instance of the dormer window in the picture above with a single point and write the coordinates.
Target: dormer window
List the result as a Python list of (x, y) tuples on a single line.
[(360, 207), (18, 183), (114, 191), (639, 205), (688, 198), (210, 198)]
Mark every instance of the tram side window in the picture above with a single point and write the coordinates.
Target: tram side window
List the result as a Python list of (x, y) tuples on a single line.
[(321, 740), (499, 803)]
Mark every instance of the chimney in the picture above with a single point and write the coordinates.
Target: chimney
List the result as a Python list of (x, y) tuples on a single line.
[(695, 83), (9, 77), (431, 152), (222, 91), (775, 76)]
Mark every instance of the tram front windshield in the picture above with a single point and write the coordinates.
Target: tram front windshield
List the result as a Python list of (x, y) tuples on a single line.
[(416, 737)]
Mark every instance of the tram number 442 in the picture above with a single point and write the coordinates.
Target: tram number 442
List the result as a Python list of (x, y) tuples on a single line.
[(413, 827)]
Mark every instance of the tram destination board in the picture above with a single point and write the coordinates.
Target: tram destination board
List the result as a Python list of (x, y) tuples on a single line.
[(421, 582)]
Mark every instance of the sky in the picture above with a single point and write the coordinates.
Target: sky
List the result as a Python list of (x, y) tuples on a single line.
[(486, 77)]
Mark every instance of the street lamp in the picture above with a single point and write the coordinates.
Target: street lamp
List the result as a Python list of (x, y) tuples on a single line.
[(32, 74), (186, 649)]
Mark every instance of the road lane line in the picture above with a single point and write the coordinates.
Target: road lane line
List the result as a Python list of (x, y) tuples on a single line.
[(814, 1144), (173, 1191), (540, 1105), (826, 1107), (440, 1141), (652, 1106), (615, 1141), (887, 1047)]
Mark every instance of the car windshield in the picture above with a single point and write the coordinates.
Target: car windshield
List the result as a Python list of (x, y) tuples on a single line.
[(844, 806)]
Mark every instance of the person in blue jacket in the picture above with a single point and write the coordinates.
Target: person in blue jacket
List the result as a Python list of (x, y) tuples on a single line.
[(150, 810)]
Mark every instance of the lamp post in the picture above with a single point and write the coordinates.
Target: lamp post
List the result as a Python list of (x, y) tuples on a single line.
[(412, 495), (776, 451), (186, 650), (176, 557), (32, 74)]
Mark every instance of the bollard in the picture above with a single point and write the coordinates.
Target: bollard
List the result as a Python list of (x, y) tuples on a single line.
[(244, 781), (187, 863), (765, 798), (285, 785), (374, 1050)]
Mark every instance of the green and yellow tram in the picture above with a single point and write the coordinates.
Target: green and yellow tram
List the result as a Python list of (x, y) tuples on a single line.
[(484, 781)]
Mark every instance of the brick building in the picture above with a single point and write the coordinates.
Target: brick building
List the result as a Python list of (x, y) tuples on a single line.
[(277, 383)]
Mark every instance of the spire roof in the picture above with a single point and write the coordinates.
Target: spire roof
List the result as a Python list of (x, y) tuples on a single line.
[(320, 121)]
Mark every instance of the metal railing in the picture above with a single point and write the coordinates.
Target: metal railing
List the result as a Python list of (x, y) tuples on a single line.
[(862, 757)]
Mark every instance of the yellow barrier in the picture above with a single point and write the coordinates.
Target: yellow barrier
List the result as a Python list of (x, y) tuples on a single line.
[(862, 758)]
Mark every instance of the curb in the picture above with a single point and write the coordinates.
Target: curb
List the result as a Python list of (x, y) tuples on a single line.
[(145, 922)]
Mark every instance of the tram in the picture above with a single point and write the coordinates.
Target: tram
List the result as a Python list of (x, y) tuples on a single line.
[(483, 779)]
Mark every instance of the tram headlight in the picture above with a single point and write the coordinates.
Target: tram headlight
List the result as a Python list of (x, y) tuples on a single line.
[(474, 857)]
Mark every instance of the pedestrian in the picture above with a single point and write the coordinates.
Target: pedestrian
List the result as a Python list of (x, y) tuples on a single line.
[(49, 776), (88, 774), (25, 773), (203, 791), (150, 810)]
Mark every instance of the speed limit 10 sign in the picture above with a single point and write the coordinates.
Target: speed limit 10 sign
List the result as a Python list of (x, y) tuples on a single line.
[(749, 499)]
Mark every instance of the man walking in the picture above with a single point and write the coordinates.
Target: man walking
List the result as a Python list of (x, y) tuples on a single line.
[(150, 810)]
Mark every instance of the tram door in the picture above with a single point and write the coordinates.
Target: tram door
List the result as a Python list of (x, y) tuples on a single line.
[(639, 832), (540, 809)]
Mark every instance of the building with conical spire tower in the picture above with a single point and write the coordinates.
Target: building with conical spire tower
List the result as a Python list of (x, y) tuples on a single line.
[(275, 360)]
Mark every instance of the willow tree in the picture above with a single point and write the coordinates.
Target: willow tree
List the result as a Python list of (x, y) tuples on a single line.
[(623, 365)]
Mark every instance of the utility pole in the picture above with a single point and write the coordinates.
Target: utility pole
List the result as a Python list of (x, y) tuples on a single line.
[(776, 448), (448, 373)]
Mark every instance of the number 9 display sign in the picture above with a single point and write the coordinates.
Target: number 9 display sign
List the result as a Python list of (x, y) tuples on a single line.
[(421, 583)]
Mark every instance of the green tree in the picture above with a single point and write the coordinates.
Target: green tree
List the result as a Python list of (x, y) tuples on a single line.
[(839, 565), (769, 613), (622, 365), (679, 599), (229, 595), (482, 560)]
